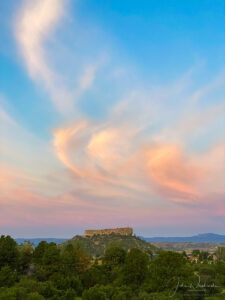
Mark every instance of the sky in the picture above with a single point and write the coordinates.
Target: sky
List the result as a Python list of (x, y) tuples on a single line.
[(112, 115)]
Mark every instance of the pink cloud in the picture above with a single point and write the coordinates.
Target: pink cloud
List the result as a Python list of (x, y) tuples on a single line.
[(173, 172), (110, 166)]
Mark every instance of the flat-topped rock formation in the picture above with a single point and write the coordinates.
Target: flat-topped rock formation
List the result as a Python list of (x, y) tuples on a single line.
[(96, 244), (121, 231)]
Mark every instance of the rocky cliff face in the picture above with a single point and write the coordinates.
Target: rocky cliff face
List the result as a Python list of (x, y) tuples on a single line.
[(121, 231)]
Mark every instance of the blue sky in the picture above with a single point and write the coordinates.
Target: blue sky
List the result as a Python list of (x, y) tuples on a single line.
[(109, 105)]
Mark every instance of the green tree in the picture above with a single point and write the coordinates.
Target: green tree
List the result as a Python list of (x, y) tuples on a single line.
[(167, 269), (94, 275), (9, 254), (29, 284), (13, 293), (84, 261), (51, 259), (47, 260), (135, 269), (195, 253), (51, 255), (48, 290), (122, 293), (70, 260), (220, 273), (97, 292), (70, 294), (7, 277), (113, 257), (39, 252), (203, 256), (26, 252), (156, 296), (220, 253), (74, 260), (207, 277), (34, 296), (65, 282)]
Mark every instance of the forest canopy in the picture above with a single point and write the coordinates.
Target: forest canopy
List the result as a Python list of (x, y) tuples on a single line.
[(52, 272)]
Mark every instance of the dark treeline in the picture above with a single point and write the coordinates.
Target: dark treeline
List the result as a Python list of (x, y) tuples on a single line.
[(49, 272)]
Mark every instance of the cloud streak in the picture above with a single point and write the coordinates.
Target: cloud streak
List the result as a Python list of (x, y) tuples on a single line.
[(35, 23), (122, 156), (34, 30)]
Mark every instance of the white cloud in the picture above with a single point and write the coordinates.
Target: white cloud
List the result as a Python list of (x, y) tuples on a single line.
[(35, 23)]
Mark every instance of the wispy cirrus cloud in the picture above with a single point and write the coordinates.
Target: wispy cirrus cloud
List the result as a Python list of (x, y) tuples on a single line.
[(36, 21), (34, 29), (126, 154)]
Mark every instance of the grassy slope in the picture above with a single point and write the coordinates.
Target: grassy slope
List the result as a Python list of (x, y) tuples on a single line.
[(96, 245)]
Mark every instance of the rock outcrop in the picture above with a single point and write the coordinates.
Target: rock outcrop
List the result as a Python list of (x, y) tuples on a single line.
[(121, 231)]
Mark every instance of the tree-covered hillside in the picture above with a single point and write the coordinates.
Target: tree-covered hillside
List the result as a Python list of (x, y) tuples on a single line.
[(68, 273), (97, 244)]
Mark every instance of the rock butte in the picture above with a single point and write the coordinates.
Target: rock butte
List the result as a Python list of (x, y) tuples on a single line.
[(121, 231)]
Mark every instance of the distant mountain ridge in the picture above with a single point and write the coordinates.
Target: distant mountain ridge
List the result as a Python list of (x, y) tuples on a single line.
[(200, 238), (36, 241)]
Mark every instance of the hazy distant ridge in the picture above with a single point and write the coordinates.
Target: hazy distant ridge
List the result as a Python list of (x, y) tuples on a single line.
[(36, 241), (200, 238)]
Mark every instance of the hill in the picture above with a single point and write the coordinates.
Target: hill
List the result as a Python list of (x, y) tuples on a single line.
[(96, 245), (200, 238)]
